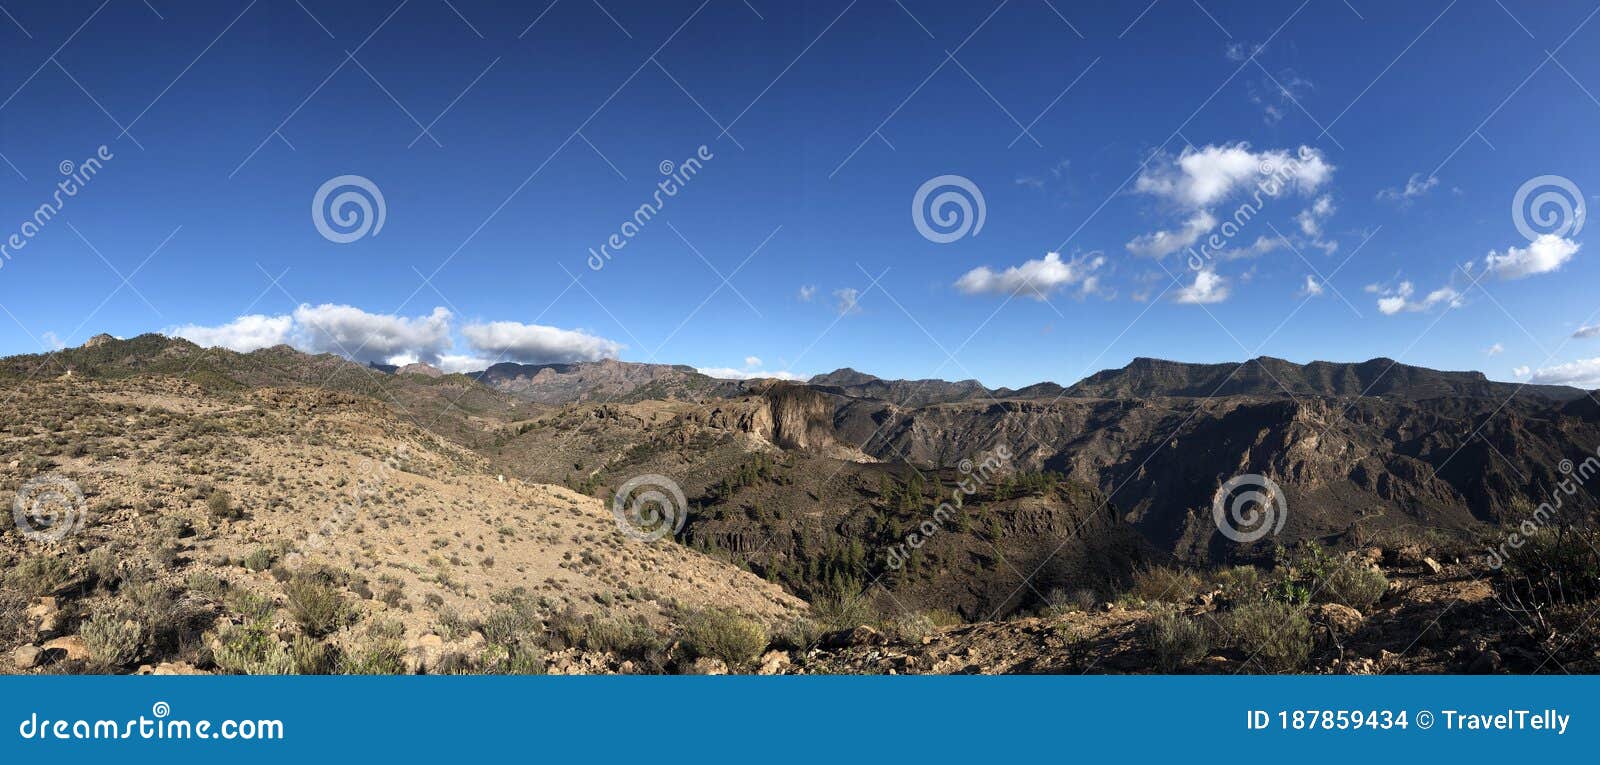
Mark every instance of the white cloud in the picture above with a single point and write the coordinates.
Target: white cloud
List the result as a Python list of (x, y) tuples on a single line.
[(1543, 255), (536, 343), (846, 299), (1416, 186), (1588, 331), (1521, 372), (1208, 287), (729, 373), (1160, 244), (460, 362), (807, 292), (51, 341), (1199, 178), (1313, 288), (369, 337), (244, 334), (1583, 374), (1494, 350), (1311, 218), (752, 361), (1393, 301), (1034, 278)]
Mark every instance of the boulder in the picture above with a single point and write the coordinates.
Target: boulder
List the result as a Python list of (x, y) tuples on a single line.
[(855, 636), (1343, 619), (72, 646), (27, 657), (1432, 565), (707, 666), (773, 663)]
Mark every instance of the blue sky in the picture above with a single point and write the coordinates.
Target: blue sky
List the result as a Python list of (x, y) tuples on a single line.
[(548, 125)]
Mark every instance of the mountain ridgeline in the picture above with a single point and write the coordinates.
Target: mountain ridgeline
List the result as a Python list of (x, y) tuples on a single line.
[(813, 484)]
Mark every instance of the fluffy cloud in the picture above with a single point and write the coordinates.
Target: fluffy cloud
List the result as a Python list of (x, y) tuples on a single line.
[(1160, 244), (1589, 331), (1313, 288), (1583, 374), (1034, 278), (390, 339), (536, 344), (1393, 301), (1208, 287), (1199, 178), (1543, 255), (750, 372), (846, 299), (1311, 218), (807, 292), (369, 337), (1494, 350), (244, 334), (1416, 186)]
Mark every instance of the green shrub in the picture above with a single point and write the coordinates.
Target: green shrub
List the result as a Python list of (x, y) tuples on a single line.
[(380, 656), (220, 504), (1178, 640), (1552, 567), (1277, 635), (844, 611), (40, 575), (251, 650), (308, 656), (114, 638), (722, 633), (1162, 584), (1352, 584), (260, 559), (632, 638), (316, 603)]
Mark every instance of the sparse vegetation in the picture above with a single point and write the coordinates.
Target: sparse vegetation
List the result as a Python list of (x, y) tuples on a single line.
[(725, 634)]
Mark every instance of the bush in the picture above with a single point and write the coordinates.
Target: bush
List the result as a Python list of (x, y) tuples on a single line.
[(221, 506), (842, 612), (39, 575), (1352, 584), (1161, 584), (1275, 634), (1177, 640), (722, 633), (316, 603), (625, 637), (260, 559), (308, 656), (380, 656), (251, 650), (1553, 567), (114, 638)]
